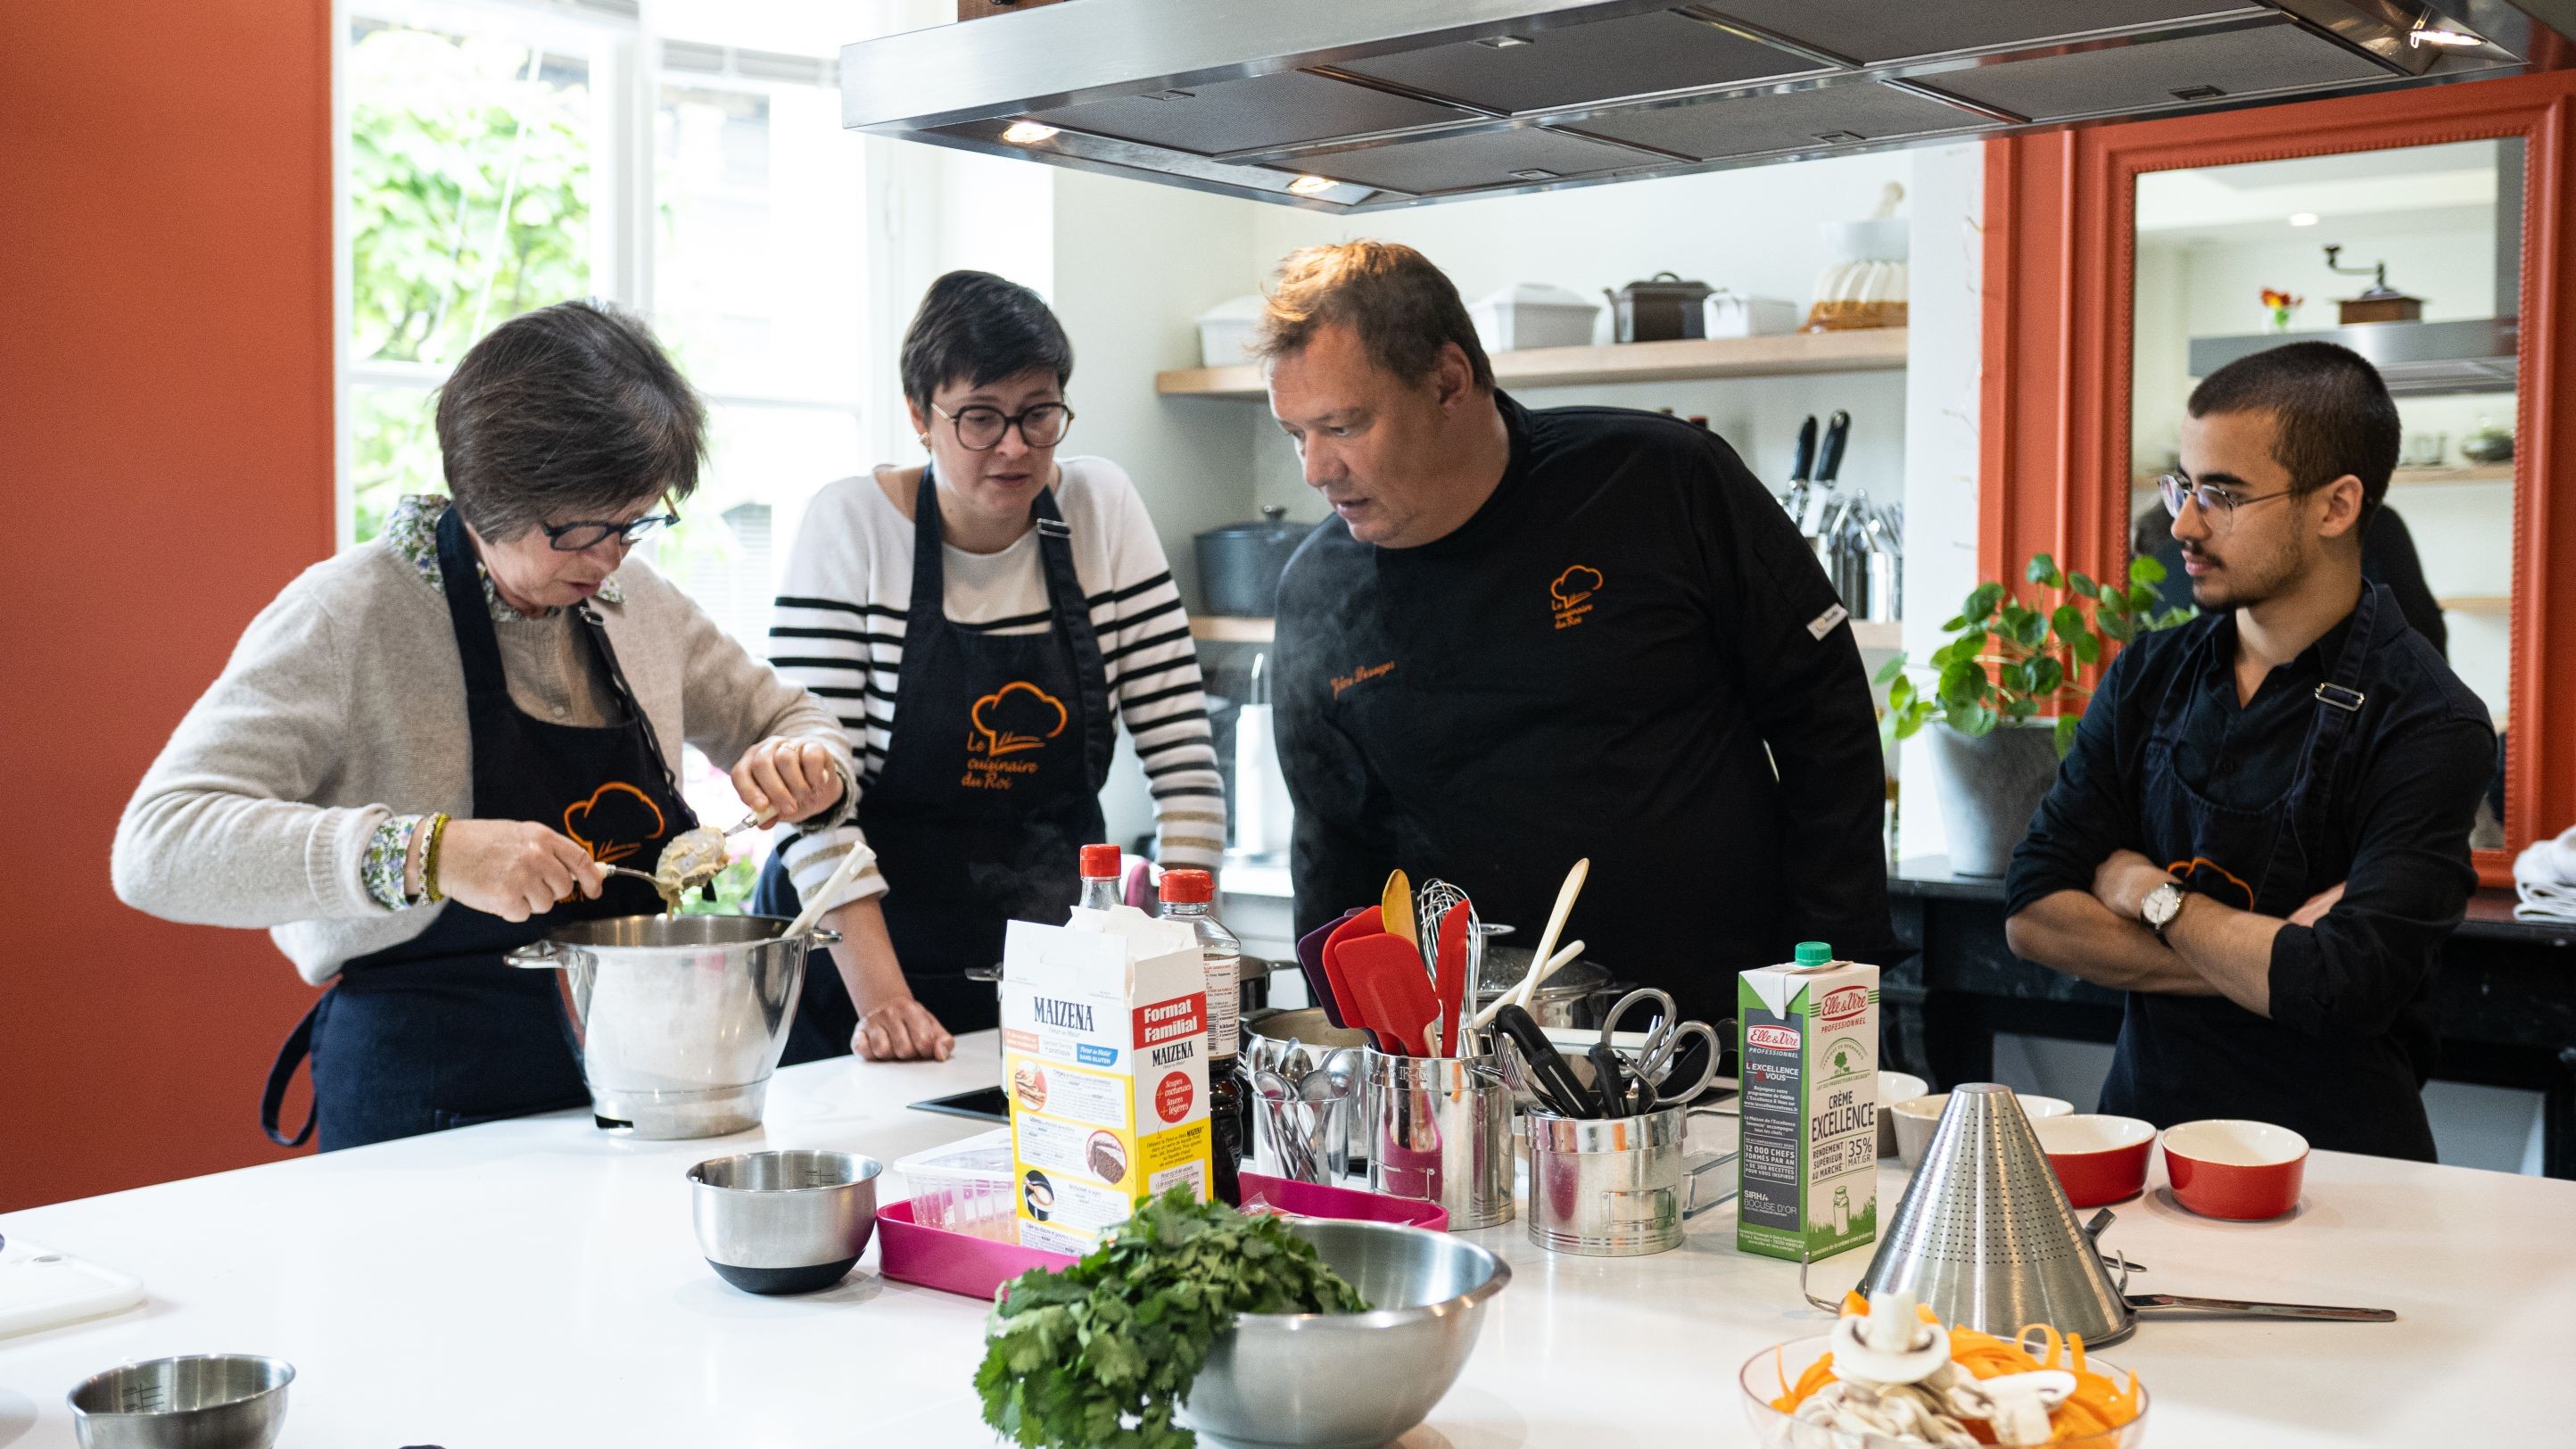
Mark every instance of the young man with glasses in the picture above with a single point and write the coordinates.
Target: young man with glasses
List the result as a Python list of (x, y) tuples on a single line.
[(2261, 835)]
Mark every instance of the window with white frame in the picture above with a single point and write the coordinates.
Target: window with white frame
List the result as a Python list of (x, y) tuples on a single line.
[(503, 156)]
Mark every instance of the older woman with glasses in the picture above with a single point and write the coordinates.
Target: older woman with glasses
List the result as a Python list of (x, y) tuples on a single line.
[(981, 621), (422, 752)]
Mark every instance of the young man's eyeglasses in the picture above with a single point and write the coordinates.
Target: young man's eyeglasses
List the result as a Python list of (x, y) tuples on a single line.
[(981, 428), (2217, 504), (574, 537)]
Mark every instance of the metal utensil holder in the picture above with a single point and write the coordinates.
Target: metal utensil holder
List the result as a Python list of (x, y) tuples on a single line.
[(1618, 1187), (1440, 1130)]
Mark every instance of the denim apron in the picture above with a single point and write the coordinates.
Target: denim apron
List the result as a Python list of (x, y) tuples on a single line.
[(437, 1031), (989, 789)]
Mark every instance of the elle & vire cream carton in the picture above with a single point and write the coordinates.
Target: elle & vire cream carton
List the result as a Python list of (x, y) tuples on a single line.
[(1809, 1042), (1104, 1047)]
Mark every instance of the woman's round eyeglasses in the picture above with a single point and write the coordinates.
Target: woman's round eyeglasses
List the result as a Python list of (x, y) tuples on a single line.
[(2216, 504), (980, 428), (574, 537)]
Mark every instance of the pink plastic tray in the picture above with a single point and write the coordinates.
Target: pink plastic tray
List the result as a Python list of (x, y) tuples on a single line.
[(1315, 1200), (978, 1267), (952, 1262)]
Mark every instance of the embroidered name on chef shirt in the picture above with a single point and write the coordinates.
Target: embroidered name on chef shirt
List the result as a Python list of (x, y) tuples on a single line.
[(1569, 594), (1361, 675)]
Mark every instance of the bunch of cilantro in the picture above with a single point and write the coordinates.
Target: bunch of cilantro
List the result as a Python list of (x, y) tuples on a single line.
[(1103, 1353)]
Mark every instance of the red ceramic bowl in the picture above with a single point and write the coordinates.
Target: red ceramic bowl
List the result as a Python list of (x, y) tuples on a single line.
[(2098, 1159), (2223, 1168)]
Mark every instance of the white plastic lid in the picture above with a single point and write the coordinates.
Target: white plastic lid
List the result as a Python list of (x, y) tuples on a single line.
[(1867, 241), (1246, 308), (988, 1152), (1536, 294)]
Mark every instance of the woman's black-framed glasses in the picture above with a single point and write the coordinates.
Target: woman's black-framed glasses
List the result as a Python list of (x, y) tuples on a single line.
[(574, 537), (2216, 504), (980, 428)]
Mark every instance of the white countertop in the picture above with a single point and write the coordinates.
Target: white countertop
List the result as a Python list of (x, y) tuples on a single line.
[(536, 1283)]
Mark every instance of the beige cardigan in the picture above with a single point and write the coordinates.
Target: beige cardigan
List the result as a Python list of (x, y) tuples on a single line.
[(344, 704)]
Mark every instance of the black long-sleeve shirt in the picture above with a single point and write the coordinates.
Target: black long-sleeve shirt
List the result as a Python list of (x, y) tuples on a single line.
[(2352, 1032), (1607, 660)]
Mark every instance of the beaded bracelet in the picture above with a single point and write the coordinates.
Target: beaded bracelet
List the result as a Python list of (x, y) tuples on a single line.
[(429, 860)]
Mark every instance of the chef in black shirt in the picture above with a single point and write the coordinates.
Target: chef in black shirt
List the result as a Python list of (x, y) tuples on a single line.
[(1529, 636), (2262, 832)]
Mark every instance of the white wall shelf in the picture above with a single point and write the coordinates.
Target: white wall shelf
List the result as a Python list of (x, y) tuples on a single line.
[(1791, 354)]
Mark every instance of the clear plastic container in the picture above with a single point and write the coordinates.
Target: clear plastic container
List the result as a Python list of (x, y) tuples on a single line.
[(965, 1187)]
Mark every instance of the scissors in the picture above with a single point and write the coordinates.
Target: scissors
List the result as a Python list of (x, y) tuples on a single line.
[(1665, 1035)]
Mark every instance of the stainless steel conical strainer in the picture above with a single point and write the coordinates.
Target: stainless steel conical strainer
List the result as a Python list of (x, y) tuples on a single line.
[(1984, 1235)]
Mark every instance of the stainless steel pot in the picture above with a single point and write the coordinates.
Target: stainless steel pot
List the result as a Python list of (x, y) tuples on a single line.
[(681, 1018), (1240, 564), (1567, 999)]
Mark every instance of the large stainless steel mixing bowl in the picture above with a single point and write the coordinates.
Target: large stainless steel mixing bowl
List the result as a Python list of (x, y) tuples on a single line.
[(200, 1401), (1351, 1380), (682, 1018)]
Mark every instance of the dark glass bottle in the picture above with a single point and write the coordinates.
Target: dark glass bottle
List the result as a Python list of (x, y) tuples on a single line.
[(1190, 896)]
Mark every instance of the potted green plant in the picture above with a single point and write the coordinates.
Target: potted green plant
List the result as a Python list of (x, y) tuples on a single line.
[(2005, 704)]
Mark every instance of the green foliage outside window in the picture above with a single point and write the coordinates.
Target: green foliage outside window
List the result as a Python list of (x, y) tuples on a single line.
[(470, 194)]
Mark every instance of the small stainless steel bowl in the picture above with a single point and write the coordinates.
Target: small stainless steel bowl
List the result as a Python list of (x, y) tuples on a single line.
[(784, 1222), (199, 1401), (1351, 1380)]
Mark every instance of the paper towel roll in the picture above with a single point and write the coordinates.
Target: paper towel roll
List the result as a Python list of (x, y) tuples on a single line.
[(1261, 810)]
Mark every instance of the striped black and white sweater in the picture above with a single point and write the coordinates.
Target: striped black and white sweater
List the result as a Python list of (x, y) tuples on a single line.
[(839, 631)]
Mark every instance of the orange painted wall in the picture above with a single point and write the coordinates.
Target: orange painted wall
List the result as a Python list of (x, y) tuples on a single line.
[(165, 467)]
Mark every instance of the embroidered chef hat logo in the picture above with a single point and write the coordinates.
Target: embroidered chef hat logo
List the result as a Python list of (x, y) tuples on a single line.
[(615, 822), (1575, 585), (2213, 880), (1018, 716), (1567, 593)]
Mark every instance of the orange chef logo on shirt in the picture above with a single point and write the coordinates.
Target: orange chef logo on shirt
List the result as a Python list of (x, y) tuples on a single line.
[(1013, 719), (615, 822), (1018, 716), (2202, 874), (1569, 595)]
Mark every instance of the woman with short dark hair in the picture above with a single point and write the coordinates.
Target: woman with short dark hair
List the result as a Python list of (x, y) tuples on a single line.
[(981, 621), (422, 751)]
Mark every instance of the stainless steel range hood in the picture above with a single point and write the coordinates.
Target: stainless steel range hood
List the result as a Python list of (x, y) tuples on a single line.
[(2417, 359), (1358, 105)]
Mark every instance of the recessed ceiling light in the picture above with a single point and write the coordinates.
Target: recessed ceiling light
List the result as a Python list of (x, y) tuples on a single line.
[(1027, 133), (1534, 173), (1312, 185), (1502, 42), (2424, 35), (2303, 218)]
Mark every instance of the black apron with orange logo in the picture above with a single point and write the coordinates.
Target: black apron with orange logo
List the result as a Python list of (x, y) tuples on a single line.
[(439, 1031), (989, 790), (2181, 1058)]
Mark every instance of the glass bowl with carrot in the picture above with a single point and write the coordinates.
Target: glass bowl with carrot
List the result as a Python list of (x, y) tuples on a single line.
[(1795, 1398)]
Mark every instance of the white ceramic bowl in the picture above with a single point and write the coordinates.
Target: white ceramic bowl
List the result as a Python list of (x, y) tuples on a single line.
[(1917, 1116), (1894, 1087)]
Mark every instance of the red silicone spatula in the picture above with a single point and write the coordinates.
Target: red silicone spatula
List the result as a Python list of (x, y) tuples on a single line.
[(1449, 975), (1394, 997), (1367, 922)]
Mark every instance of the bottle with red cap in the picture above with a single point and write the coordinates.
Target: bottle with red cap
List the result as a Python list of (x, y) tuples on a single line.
[(1189, 896), (1099, 877)]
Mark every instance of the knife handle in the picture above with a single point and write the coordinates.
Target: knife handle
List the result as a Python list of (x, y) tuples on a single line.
[(2261, 1310), (1829, 461), (1799, 471)]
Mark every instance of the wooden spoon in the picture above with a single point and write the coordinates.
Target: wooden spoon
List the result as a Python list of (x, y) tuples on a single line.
[(1396, 905)]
